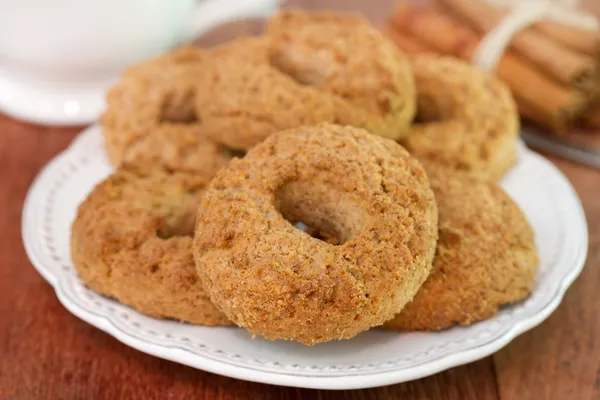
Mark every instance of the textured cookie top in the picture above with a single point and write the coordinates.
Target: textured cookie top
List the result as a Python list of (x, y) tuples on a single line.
[(131, 240), (243, 98), (150, 116), (277, 280), (347, 56), (485, 257), (308, 68), (468, 120)]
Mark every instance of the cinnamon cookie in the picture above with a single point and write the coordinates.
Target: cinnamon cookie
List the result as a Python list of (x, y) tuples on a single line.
[(467, 119), (485, 257), (150, 117), (131, 240), (278, 281), (308, 68)]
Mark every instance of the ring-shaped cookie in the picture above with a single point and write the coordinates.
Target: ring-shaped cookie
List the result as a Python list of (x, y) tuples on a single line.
[(131, 240), (150, 117), (278, 281), (485, 257), (468, 120), (308, 68)]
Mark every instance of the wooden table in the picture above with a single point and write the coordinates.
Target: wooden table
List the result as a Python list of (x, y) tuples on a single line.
[(47, 353)]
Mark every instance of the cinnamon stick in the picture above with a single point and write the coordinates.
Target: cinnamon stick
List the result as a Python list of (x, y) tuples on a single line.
[(581, 40), (530, 112), (549, 103), (563, 64)]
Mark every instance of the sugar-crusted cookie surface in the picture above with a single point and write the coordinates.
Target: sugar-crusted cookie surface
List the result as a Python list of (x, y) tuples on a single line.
[(308, 68), (150, 117), (278, 281), (485, 257), (467, 119), (131, 240)]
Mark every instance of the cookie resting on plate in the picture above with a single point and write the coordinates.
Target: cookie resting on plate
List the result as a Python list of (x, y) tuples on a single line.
[(131, 240), (150, 117), (467, 118), (485, 258), (278, 281), (308, 68)]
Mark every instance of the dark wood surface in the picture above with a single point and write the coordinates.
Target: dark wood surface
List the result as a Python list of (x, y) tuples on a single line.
[(47, 353)]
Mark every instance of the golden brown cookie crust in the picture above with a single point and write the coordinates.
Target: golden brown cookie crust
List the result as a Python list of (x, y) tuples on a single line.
[(243, 100), (150, 117), (345, 55), (257, 86), (277, 281), (469, 120), (131, 240), (485, 257)]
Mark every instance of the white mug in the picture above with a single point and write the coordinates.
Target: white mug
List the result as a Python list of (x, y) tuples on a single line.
[(57, 58)]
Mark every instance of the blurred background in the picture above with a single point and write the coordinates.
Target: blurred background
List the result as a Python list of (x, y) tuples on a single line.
[(58, 59)]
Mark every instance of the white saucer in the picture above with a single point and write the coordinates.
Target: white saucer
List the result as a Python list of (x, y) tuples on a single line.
[(52, 102), (373, 358)]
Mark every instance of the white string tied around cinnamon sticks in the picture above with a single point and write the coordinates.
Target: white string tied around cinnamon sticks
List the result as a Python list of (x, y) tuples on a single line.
[(524, 13)]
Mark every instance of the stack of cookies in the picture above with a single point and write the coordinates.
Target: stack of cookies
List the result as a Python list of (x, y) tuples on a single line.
[(307, 185)]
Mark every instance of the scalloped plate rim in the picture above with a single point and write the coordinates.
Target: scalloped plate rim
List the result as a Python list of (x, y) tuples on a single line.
[(185, 357)]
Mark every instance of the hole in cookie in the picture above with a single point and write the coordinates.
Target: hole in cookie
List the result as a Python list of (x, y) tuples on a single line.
[(236, 153), (177, 225), (428, 111), (319, 210), (178, 107), (419, 120), (316, 233)]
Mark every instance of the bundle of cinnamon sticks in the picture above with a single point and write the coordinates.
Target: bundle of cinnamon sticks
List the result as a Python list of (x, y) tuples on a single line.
[(552, 69)]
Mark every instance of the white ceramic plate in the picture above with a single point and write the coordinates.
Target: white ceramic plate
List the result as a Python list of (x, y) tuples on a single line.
[(374, 358)]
